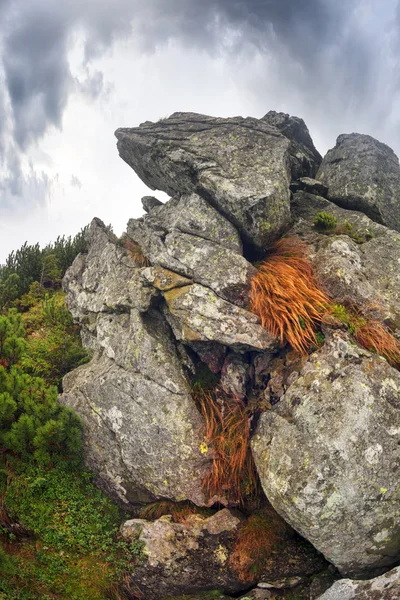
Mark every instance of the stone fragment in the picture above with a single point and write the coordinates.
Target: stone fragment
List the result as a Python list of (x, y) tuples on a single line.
[(196, 314), (185, 558)]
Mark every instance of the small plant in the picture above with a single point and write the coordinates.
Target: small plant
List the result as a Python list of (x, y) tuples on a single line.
[(325, 221), (286, 297), (228, 422)]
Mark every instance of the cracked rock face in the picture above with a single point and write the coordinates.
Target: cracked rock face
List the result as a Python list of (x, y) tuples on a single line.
[(328, 456), (241, 166), (364, 174), (142, 429)]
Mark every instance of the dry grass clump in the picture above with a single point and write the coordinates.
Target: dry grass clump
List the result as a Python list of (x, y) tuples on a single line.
[(179, 511), (228, 425), (370, 333), (257, 538), (135, 252), (286, 297)]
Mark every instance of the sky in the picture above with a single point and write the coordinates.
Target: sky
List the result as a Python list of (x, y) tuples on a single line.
[(72, 72)]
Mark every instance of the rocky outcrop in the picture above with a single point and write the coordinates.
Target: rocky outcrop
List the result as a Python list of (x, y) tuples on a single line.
[(385, 587), (364, 174), (240, 166), (165, 310), (328, 456), (143, 433)]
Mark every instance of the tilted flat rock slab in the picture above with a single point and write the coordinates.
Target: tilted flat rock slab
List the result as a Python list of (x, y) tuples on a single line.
[(364, 174), (241, 166), (385, 587), (196, 313), (328, 456)]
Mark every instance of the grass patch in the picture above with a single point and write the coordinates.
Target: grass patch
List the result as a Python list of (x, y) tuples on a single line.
[(227, 431), (286, 297)]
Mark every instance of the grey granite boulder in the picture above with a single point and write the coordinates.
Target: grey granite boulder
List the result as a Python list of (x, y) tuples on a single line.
[(385, 587), (196, 314), (364, 174), (241, 166), (304, 157), (185, 558), (328, 456), (359, 263), (142, 430)]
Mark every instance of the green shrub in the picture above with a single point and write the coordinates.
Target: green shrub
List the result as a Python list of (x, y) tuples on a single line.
[(31, 419), (325, 221)]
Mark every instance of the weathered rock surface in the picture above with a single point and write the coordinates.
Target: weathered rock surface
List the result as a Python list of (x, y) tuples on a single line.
[(305, 158), (185, 557), (328, 456), (385, 587), (241, 166), (190, 237), (364, 174), (142, 429), (197, 314), (367, 273)]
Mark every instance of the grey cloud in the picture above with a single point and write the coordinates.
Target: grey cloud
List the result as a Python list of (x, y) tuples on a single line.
[(317, 48)]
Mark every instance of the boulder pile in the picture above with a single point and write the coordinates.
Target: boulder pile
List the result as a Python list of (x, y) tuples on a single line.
[(181, 361)]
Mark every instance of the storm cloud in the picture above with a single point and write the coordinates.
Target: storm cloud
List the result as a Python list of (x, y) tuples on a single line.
[(334, 62)]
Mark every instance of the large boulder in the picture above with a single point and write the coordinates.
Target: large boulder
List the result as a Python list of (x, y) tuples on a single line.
[(328, 456), (385, 587), (364, 174), (142, 430), (357, 262), (241, 166)]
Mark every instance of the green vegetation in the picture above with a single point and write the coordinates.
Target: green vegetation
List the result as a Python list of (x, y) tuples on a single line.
[(325, 221), (31, 263), (58, 533)]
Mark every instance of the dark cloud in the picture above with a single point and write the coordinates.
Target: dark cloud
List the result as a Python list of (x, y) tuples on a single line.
[(318, 49)]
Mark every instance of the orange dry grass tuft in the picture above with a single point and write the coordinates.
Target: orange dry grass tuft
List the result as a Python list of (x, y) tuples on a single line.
[(178, 510), (135, 252), (373, 336), (257, 539), (228, 423), (286, 297)]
